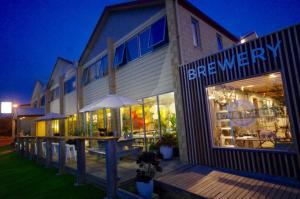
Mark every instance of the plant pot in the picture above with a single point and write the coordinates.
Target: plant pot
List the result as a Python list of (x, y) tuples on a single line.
[(166, 151), (145, 189)]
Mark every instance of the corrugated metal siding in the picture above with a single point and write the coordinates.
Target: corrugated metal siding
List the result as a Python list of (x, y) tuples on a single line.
[(70, 103), (147, 76), (95, 90), (54, 106), (200, 150)]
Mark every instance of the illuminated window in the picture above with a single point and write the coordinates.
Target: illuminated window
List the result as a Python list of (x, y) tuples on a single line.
[(55, 127), (167, 113), (125, 121), (250, 113), (70, 125), (137, 121), (151, 118)]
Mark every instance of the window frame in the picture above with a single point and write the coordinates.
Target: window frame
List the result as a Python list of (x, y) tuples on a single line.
[(153, 45), (196, 32)]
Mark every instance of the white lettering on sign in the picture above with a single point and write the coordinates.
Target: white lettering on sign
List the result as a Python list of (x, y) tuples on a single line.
[(242, 59)]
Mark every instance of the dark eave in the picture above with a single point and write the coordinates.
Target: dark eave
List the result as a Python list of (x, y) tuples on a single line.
[(190, 7)]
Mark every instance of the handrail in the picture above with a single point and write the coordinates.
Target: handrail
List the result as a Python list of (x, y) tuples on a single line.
[(107, 138)]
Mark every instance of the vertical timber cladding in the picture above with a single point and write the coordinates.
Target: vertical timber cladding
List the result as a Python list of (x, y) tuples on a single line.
[(281, 53)]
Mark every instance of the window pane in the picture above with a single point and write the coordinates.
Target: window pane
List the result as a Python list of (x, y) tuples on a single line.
[(125, 121), (158, 32), (70, 85), (196, 32), (151, 118), (101, 120), (119, 55), (219, 42), (167, 113), (43, 100), (55, 127), (144, 41), (250, 113), (132, 49), (103, 70), (85, 76), (108, 120), (92, 73), (137, 122)]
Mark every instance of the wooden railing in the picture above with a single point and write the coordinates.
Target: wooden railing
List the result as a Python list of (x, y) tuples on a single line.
[(35, 152)]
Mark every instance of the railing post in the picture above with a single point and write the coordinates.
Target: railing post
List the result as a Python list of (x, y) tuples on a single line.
[(61, 156), (27, 147), (111, 168), (18, 145), (80, 145), (48, 152), (32, 148), (22, 147), (39, 149)]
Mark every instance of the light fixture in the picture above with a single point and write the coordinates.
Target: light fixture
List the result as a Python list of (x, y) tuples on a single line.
[(272, 76), (15, 105), (243, 41)]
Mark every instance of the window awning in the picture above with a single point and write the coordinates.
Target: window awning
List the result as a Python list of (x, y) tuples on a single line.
[(51, 116)]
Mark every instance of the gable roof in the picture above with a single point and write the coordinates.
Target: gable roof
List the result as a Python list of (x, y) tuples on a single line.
[(55, 68), (101, 21), (141, 4), (37, 83)]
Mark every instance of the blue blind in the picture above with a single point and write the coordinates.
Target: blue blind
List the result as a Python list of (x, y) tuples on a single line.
[(144, 41), (132, 49), (70, 85), (158, 32), (103, 67), (119, 55)]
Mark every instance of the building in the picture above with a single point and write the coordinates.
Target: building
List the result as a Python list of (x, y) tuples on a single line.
[(135, 51)]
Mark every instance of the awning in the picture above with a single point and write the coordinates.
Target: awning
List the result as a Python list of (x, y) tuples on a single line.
[(110, 101), (51, 116), (29, 111)]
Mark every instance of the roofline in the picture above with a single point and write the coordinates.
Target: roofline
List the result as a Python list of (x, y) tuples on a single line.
[(53, 69), (189, 6), (106, 11)]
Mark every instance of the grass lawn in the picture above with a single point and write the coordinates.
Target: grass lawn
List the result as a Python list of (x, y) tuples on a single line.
[(21, 178)]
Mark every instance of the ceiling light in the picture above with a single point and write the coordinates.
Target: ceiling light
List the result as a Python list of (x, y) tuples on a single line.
[(272, 76)]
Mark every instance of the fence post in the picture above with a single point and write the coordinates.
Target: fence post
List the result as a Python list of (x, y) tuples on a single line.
[(22, 148), (111, 168), (80, 177), (48, 152), (39, 149), (61, 156)]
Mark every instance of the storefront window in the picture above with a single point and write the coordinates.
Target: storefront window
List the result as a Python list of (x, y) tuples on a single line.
[(41, 128), (108, 120), (70, 125), (167, 113), (101, 120), (151, 118), (55, 127), (137, 121), (250, 113), (125, 121)]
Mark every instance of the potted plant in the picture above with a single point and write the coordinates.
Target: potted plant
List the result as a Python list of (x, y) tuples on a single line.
[(148, 165), (166, 144)]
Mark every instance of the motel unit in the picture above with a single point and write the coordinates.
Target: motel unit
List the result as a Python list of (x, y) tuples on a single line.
[(227, 102)]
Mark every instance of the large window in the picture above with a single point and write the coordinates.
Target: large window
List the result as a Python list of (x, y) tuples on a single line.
[(137, 121), (95, 71), (250, 113), (70, 125), (167, 113), (151, 38), (54, 93), (55, 127), (151, 118), (70, 85), (125, 121), (195, 32)]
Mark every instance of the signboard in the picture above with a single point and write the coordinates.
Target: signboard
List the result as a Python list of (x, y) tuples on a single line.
[(6, 107)]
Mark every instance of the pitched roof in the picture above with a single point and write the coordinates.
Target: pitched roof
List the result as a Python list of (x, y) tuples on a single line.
[(146, 3), (107, 10)]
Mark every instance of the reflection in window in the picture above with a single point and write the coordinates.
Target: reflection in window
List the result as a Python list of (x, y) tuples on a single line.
[(250, 113), (144, 42), (151, 118), (167, 113), (158, 32), (119, 55)]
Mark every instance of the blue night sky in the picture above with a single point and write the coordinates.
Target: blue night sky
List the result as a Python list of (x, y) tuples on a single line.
[(34, 32)]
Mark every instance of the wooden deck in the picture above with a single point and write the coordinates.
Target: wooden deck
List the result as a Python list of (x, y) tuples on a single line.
[(203, 182)]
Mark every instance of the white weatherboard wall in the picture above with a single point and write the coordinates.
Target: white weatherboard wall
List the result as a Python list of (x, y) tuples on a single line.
[(146, 76), (95, 90), (54, 106), (70, 103)]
